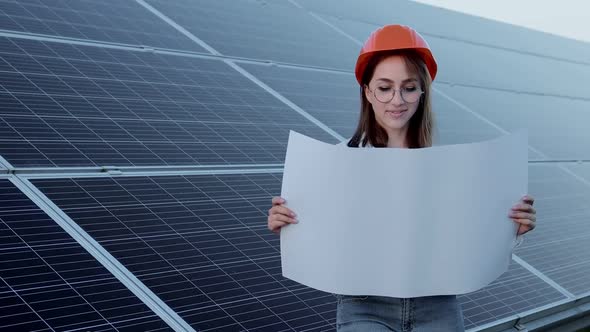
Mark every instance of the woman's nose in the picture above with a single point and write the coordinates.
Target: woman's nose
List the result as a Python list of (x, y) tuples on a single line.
[(397, 98)]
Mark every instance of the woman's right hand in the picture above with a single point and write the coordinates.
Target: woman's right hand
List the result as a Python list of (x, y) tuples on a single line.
[(279, 215)]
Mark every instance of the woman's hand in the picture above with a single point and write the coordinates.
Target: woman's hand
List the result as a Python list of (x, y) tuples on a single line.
[(279, 215), (524, 214)]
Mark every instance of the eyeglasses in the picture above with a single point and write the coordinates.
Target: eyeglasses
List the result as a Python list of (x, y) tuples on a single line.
[(409, 95)]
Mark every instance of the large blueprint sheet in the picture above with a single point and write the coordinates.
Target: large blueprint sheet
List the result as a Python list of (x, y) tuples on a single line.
[(401, 222)]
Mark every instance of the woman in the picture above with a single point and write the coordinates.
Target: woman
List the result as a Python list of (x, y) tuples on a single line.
[(395, 70)]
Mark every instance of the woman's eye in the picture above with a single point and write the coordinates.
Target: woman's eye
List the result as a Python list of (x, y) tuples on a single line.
[(384, 89), (410, 88)]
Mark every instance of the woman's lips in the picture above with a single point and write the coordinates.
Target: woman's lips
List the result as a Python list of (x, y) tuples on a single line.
[(396, 114)]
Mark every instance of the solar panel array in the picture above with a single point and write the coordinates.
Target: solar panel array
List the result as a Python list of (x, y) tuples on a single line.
[(196, 114), (202, 237)]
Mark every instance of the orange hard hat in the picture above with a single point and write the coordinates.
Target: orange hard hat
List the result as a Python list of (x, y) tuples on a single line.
[(394, 37)]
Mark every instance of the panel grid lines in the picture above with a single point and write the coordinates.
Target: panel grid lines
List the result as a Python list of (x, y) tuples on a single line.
[(232, 186), (159, 110), (108, 21), (3, 295), (49, 276), (163, 258), (276, 31), (514, 292), (224, 235)]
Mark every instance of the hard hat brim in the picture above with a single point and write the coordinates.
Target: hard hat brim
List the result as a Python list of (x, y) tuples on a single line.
[(425, 54)]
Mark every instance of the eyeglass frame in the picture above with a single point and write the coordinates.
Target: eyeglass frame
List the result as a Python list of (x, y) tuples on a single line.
[(393, 95)]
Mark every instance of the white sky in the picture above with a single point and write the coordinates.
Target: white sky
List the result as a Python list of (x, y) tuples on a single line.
[(569, 18)]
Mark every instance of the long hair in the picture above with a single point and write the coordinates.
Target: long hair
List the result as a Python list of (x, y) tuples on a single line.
[(420, 126)]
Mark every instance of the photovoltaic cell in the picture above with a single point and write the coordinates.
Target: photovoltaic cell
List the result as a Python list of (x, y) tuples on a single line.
[(67, 105), (201, 244), (48, 282), (265, 30), (113, 21), (559, 245)]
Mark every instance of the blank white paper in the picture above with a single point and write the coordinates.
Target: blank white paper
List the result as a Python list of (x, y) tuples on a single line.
[(401, 222)]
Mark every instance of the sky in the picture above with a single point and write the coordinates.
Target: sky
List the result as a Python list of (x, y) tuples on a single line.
[(568, 18)]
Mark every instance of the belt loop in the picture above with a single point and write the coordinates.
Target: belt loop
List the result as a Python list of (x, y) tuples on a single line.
[(407, 314)]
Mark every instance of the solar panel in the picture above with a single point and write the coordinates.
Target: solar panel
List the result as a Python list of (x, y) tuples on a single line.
[(493, 67), (265, 30), (113, 21), (89, 106), (516, 291), (559, 247), (200, 243), (506, 70), (330, 97), (556, 137), (434, 21), (48, 282)]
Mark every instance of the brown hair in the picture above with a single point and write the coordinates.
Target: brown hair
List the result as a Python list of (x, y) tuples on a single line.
[(421, 124)]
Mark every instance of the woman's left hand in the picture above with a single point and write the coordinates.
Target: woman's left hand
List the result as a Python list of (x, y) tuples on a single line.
[(524, 214)]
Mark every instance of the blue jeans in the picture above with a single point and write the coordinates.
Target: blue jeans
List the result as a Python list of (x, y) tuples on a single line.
[(380, 313)]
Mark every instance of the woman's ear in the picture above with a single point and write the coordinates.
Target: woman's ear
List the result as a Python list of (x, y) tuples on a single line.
[(368, 94)]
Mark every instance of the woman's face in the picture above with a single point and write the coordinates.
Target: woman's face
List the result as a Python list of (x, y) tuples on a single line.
[(391, 73)]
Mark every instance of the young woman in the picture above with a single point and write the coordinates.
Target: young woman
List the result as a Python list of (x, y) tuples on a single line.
[(395, 70)]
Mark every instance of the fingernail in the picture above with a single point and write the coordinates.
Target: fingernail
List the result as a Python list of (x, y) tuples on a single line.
[(292, 214)]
